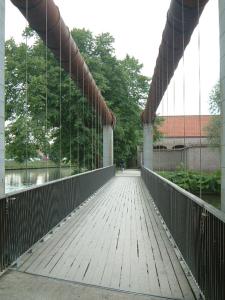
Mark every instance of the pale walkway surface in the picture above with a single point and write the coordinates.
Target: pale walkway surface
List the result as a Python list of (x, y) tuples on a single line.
[(22, 286), (114, 240)]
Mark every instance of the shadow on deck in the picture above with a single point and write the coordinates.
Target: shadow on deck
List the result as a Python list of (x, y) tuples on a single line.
[(113, 246)]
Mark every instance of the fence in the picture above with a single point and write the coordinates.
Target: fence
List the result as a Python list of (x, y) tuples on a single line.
[(198, 230), (28, 215)]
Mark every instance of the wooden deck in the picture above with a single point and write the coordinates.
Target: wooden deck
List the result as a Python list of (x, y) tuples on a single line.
[(114, 240)]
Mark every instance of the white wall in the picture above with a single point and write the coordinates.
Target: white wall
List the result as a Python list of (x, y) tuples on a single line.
[(170, 160)]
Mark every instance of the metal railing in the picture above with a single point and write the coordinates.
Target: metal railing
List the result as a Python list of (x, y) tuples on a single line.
[(198, 230), (26, 216)]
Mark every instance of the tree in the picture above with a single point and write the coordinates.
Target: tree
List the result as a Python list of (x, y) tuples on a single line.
[(214, 126), (157, 134), (35, 97)]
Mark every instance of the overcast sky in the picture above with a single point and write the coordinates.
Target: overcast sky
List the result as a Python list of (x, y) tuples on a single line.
[(137, 28)]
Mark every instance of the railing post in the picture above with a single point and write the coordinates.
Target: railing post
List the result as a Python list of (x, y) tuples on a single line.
[(222, 87), (2, 97), (107, 145), (148, 146)]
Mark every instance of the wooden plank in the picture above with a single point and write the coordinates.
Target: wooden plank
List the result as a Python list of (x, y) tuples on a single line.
[(119, 251), (115, 240), (108, 267), (147, 254), (162, 275), (110, 240), (76, 256), (86, 257), (57, 241), (179, 279)]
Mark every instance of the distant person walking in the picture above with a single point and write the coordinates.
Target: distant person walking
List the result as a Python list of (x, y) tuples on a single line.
[(122, 165)]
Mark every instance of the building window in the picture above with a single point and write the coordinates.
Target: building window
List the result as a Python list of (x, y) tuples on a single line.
[(178, 147), (159, 147)]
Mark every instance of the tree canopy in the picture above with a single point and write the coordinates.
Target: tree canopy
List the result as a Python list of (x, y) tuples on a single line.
[(214, 126), (45, 111)]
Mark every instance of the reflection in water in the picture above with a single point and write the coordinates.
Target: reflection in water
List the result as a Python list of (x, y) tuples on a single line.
[(20, 179)]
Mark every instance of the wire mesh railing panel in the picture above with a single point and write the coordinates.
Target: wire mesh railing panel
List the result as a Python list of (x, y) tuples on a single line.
[(28, 215), (198, 230)]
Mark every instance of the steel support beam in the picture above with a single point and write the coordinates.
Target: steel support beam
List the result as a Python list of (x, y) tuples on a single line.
[(107, 146), (182, 18), (222, 87), (2, 97), (44, 17), (148, 146)]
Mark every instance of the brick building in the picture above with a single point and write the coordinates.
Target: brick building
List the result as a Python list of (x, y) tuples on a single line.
[(183, 131), (185, 143)]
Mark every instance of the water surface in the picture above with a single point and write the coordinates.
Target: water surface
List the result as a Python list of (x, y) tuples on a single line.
[(20, 179)]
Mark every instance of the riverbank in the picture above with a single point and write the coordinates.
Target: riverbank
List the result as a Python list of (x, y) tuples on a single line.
[(38, 164)]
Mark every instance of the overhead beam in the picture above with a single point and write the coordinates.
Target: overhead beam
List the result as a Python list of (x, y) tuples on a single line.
[(44, 17), (182, 18)]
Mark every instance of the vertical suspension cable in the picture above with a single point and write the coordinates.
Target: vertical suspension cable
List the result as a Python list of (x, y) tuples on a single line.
[(83, 120), (60, 100), (163, 105), (199, 100), (92, 132), (88, 128), (78, 129), (167, 90), (184, 92), (26, 102), (99, 135), (97, 140), (96, 134), (174, 85), (70, 115), (46, 89)]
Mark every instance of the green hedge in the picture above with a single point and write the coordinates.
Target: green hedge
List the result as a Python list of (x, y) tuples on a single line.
[(193, 181)]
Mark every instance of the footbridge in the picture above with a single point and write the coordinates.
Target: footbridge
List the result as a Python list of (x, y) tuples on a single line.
[(107, 233)]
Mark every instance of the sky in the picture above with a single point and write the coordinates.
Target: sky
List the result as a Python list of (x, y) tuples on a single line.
[(137, 27)]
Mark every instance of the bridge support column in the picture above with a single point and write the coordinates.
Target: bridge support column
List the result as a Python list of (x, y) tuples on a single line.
[(222, 87), (107, 145), (2, 97), (148, 146)]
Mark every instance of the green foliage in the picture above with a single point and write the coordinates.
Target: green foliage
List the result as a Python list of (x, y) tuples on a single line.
[(214, 127), (215, 100), (193, 181), (33, 95), (157, 134)]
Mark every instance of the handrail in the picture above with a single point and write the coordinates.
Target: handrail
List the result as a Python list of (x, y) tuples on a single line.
[(198, 230), (37, 186), (210, 208), (26, 216)]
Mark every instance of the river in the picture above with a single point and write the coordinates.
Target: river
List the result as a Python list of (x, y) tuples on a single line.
[(20, 179)]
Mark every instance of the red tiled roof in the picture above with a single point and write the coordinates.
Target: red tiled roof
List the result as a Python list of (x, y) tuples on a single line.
[(188, 126)]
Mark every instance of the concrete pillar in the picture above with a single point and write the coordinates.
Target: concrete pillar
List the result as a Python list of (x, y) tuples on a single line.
[(107, 145), (148, 146), (2, 97)]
